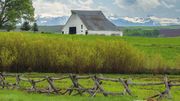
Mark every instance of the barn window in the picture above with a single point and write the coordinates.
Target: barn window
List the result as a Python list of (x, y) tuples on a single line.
[(81, 26)]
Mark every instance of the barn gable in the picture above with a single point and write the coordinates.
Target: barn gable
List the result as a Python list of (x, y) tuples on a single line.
[(75, 21), (90, 22), (95, 20)]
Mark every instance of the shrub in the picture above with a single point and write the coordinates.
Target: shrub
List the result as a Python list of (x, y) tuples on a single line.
[(7, 57), (25, 26), (35, 27), (41, 53), (156, 64)]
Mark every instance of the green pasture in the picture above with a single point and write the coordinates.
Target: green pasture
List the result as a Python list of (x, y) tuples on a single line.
[(23, 96), (139, 92)]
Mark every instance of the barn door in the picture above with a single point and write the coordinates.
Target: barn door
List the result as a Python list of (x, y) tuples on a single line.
[(72, 30)]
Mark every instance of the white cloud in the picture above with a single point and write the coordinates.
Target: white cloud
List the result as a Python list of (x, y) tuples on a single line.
[(135, 19), (147, 5), (80, 4), (86, 2), (106, 11), (177, 10), (56, 8), (144, 5), (59, 8), (166, 21), (167, 5), (121, 8), (120, 3)]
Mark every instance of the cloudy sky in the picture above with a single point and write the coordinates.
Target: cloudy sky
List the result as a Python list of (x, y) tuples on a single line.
[(119, 8)]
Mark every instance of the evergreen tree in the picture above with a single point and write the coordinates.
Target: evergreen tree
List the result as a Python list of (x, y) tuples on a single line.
[(25, 26), (35, 27)]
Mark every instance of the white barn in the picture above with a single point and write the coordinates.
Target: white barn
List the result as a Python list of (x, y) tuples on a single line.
[(90, 22)]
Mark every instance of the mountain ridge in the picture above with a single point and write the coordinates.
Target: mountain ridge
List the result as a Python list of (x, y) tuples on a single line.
[(119, 21)]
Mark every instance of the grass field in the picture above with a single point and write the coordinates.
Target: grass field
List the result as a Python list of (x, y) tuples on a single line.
[(139, 92), (23, 96), (165, 50)]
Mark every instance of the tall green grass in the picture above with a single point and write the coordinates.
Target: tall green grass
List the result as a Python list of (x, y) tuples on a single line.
[(27, 52), (22, 52)]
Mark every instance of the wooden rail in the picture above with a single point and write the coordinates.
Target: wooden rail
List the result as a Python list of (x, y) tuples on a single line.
[(79, 89)]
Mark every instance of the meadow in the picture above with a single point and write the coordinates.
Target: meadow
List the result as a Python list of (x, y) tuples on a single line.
[(14, 96), (138, 56), (34, 52), (139, 92), (151, 31)]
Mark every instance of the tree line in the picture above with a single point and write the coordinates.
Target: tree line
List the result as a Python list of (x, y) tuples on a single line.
[(26, 27), (141, 32)]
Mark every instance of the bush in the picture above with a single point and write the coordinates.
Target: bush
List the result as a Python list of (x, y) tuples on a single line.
[(156, 64), (25, 26), (7, 57), (35, 27), (40, 53)]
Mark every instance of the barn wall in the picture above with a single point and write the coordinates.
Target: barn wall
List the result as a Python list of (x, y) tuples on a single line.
[(118, 33), (74, 21)]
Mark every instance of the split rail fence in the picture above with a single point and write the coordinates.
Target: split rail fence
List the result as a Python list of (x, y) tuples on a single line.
[(80, 89)]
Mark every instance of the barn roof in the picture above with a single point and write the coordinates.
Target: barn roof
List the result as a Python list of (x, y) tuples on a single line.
[(95, 20)]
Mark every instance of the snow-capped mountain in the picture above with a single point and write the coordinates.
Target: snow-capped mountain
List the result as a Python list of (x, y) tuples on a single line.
[(148, 21), (119, 21), (126, 21), (51, 21), (166, 21)]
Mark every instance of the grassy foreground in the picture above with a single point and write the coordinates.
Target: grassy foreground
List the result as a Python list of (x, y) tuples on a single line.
[(139, 92), (22, 96)]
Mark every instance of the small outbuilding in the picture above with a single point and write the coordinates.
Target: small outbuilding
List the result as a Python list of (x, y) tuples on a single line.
[(90, 22)]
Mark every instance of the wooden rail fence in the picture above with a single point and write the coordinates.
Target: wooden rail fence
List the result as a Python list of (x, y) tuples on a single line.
[(79, 89)]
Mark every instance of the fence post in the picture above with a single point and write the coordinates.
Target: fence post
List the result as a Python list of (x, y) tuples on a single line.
[(18, 81), (75, 84), (51, 84), (125, 85), (166, 92), (168, 88), (2, 80), (33, 85), (98, 85)]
